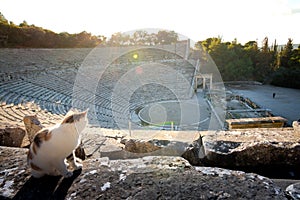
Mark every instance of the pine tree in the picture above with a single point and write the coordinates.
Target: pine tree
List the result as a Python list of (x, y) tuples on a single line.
[(286, 54), (265, 45), (275, 57)]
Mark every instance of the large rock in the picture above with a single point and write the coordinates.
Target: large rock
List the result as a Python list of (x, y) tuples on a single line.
[(12, 136), (293, 191), (253, 147), (154, 177)]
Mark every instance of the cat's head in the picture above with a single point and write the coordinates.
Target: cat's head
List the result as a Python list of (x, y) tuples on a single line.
[(77, 118)]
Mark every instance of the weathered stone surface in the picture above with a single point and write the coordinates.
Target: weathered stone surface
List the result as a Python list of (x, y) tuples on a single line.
[(109, 143), (253, 147), (234, 149), (195, 152), (12, 136), (140, 146), (249, 148), (296, 126), (294, 191), (154, 177), (32, 126)]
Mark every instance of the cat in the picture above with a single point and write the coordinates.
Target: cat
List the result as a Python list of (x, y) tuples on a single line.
[(50, 147)]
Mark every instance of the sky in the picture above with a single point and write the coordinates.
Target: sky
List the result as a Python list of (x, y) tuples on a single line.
[(246, 20)]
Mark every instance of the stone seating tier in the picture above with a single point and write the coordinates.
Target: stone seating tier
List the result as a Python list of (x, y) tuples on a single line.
[(47, 77)]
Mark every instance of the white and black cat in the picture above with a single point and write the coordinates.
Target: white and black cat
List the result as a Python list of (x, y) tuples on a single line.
[(50, 147)]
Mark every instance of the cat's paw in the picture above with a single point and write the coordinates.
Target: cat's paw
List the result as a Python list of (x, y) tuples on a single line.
[(68, 174)]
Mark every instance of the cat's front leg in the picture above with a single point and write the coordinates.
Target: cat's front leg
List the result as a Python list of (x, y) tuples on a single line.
[(66, 162), (75, 164), (62, 168)]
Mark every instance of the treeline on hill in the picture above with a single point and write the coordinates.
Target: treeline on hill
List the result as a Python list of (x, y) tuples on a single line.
[(142, 37), (267, 64), (31, 36), (236, 62)]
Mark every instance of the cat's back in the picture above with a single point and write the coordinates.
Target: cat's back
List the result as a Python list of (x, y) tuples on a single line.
[(64, 136), (53, 142)]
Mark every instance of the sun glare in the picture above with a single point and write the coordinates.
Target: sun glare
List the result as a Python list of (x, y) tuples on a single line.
[(135, 56)]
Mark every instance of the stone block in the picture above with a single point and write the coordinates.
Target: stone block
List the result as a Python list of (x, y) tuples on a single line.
[(263, 122), (11, 136), (252, 147)]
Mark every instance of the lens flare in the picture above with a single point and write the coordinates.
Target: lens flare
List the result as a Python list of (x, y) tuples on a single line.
[(135, 56)]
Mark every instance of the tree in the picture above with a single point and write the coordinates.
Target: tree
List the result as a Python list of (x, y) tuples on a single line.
[(143, 38), (115, 39), (265, 45), (140, 38), (119, 39), (152, 39), (263, 62), (3, 20), (275, 57), (295, 59), (286, 54), (167, 37), (288, 73), (231, 59), (208, 44), (23, 24)]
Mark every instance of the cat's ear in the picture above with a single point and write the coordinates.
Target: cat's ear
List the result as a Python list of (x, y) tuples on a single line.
[(86, 111), (71, 111)]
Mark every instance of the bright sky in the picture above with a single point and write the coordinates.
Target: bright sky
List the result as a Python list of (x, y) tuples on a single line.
[(197, 19)]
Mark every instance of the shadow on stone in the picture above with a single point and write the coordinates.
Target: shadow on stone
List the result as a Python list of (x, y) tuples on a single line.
[(48, 187)]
